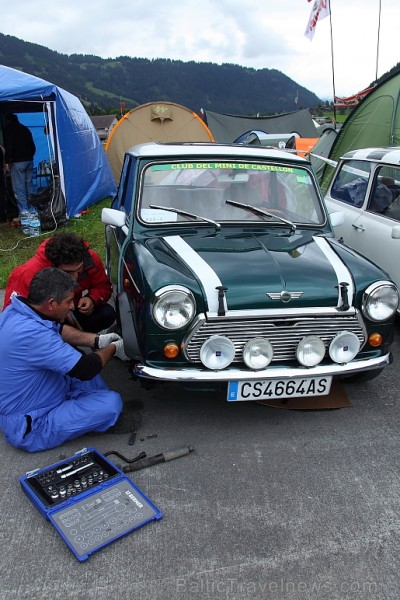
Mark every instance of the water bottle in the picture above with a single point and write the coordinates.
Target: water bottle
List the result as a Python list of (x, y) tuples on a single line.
[(34, 224), (25, 219)]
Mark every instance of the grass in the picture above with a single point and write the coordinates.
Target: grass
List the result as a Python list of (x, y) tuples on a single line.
[(15, 248), (341, 116)]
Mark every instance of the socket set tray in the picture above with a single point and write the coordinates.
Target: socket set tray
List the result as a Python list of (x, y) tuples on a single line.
[(90, 501)]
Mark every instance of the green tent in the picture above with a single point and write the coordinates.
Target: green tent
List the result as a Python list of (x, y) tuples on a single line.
[(374, 122)]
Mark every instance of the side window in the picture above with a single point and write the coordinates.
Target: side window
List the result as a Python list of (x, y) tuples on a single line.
[(385, 192), (351, 182), (123, 199)]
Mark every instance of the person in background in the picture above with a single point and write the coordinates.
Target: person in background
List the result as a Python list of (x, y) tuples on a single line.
[(19, 152), (3, 198), (51, 392), (71, 254)]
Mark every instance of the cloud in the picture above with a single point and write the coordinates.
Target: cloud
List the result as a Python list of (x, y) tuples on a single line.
[(256, 33)]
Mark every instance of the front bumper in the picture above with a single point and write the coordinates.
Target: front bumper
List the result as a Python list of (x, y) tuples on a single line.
[(271, 373)]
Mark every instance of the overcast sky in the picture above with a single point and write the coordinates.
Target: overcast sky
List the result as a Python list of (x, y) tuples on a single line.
[(253, 33)]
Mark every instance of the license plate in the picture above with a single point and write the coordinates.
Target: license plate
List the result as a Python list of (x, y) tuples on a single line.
[(266, 389)]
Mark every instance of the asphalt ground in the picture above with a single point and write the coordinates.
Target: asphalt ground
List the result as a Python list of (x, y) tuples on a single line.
[(271, 504)]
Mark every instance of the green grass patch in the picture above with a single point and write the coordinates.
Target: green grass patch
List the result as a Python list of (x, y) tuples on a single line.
[(341, 115), (15, 248)]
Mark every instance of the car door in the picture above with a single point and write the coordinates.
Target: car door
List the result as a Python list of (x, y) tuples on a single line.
[(376, 230), (348, 194), (373, 229), (347, 230), (372, 237)]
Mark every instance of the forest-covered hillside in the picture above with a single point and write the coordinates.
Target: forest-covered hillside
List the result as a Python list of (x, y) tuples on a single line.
[(101, 84)]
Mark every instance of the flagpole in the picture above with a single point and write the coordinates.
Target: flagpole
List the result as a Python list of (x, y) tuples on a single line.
[(320, 10), (333, 67)]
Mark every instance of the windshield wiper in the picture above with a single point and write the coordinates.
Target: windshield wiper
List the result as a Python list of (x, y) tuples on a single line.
[(261, 211), (184, 213)]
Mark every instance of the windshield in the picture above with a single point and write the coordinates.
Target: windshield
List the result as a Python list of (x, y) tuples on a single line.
[(228, 191)]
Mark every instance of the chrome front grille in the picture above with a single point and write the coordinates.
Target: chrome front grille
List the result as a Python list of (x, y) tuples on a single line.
[(283, 333)]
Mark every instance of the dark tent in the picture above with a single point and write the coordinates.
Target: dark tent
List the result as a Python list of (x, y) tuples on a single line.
[(322, 149), (69, 150), (227, 128)]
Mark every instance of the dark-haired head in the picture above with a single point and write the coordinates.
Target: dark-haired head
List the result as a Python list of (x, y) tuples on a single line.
[(65, 249), (50, 283)]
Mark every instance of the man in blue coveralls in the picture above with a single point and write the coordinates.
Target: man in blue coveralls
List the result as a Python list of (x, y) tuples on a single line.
[(50, 392)]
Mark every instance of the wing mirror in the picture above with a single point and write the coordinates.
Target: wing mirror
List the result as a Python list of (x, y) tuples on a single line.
[(115, 218), (396, 232)]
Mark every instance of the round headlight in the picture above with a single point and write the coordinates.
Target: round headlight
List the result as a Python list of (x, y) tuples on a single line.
[(380, 301), (310, 351), (174, 308), (257, 353), (217, 352), (344, 347)]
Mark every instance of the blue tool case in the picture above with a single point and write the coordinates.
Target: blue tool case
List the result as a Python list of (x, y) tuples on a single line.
[(90, 501)]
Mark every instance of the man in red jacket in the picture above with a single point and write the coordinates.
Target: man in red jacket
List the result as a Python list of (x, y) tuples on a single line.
[(72, 254)]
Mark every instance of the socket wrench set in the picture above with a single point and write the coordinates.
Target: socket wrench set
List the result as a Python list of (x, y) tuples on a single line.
[(90, 501)]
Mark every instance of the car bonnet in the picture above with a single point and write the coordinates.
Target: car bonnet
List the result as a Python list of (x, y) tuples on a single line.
[(258, 270)]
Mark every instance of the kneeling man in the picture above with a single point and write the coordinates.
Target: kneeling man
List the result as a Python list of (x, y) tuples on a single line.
[(50, 392)]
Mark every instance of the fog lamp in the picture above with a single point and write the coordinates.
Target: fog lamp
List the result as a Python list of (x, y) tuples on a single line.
[(344, 347), (217, 352), (257, 353), (310, 351)]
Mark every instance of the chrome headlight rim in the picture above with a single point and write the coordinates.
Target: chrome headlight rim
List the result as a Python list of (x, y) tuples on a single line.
[(268, 353), (368, 296), (319, 350), (224, 344), (336, 346), (162, 295)]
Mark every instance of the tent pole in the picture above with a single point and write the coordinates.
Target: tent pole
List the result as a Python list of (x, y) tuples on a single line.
[(377, 44), (333, 68)]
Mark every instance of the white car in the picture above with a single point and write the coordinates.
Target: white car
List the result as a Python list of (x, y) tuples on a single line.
[(366, 189)]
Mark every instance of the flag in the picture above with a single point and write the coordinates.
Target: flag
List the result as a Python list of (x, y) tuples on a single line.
[(320, 10)]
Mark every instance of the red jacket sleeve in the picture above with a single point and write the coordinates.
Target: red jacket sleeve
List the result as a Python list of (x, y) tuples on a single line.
[(21, 276), (17, 283)]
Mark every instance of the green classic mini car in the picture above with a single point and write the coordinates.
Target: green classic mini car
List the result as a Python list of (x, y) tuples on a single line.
[(226, 271)]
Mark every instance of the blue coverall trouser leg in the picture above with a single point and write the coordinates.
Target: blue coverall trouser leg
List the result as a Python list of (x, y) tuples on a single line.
[(88, 406)]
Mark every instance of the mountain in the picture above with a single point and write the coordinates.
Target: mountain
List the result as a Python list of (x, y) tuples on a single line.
[(101, 84)]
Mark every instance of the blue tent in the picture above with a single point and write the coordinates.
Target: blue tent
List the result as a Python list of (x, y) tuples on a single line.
[(66, 141)]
